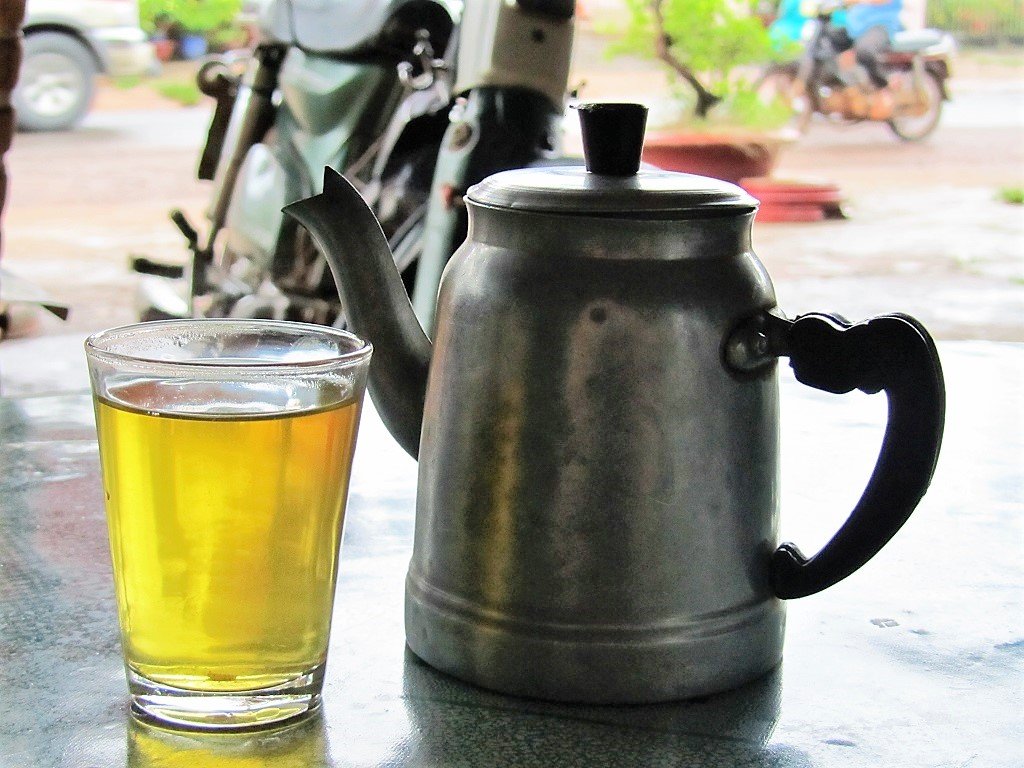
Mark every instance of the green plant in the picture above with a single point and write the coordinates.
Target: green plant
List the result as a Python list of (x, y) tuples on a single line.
[(708, 47), (230, 36), (127, 82), (185, 93), (188, 15), (1012, 195)]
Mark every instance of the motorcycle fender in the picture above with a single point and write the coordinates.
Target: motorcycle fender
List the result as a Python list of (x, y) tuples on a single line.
[(332, 96), (254, 219), (330, 110)]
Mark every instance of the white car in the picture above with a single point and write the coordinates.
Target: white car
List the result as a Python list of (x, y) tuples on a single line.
[(67, 44)]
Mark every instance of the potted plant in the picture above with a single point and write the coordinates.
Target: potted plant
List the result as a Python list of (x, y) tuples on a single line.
[(713, 50), (189, 24)]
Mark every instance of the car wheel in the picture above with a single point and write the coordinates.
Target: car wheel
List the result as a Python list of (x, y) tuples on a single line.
[(56, 82)]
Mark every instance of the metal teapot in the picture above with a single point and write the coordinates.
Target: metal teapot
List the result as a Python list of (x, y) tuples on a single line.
[(596, 423)]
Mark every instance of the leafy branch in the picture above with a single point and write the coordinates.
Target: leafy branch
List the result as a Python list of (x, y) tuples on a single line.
[(663, 46), (701, 42)]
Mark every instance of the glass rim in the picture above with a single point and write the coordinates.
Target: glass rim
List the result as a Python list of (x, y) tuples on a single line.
[(361, 351)]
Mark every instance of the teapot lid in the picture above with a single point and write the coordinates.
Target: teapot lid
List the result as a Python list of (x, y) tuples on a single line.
[(612, 184)]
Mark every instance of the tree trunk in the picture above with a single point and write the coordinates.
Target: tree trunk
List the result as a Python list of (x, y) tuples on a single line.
[(663, 46)]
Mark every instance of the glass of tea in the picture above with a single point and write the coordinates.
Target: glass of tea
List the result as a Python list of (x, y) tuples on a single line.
[(226, 449)]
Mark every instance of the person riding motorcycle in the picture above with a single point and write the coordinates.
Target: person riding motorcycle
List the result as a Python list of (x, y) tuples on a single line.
[(787, 27), (868, 28), (860, 62)]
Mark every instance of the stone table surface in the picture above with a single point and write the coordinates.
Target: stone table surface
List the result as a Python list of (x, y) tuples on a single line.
[(916, 660)]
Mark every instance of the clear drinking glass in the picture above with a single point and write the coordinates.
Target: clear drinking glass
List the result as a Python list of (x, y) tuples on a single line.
[(226, 448)]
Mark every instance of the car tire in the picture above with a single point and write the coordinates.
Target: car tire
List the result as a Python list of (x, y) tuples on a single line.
[(56, 82)]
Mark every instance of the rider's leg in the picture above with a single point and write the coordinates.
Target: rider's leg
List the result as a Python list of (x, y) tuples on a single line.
[(870, 49)]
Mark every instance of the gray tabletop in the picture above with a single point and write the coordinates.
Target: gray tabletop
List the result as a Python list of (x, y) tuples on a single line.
[(916, 660)]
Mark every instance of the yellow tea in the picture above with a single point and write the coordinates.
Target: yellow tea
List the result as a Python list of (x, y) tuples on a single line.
[(224, 532)]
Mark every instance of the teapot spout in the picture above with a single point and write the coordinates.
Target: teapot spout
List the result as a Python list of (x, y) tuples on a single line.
[(375, 302)]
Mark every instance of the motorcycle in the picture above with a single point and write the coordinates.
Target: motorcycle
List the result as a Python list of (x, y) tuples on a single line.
[(411, 101), (830, 82)]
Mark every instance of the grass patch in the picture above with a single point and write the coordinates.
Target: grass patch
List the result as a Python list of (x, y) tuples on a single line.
[(1012, 195), (185, 93), (127, 82)]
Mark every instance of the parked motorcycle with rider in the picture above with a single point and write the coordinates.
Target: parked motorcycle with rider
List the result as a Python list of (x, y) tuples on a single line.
[(411, 101), (862, 68)]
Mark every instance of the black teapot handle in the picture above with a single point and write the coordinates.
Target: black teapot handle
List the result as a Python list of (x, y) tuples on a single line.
[(893, 353)]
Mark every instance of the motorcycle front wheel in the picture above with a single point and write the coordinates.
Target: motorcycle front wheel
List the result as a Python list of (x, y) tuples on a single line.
[(918, 105), (306, 292), (298, 284)]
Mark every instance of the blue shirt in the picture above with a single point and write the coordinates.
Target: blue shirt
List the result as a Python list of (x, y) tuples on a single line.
[(862, 17), (789, 22)]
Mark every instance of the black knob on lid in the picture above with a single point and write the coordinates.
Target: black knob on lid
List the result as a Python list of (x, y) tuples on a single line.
[(613, 137)]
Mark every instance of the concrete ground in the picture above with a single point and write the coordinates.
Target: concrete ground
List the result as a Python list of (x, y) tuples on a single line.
[(926, 233)]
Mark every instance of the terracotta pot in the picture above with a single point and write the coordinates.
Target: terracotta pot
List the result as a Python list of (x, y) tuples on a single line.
[(164, 48), (721, 156), (791, 201)]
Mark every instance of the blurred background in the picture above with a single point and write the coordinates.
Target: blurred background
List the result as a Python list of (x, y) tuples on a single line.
[(934, 228)]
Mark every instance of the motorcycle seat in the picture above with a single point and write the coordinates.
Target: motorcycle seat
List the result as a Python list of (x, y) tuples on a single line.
[(912, 40), (355, 29)]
